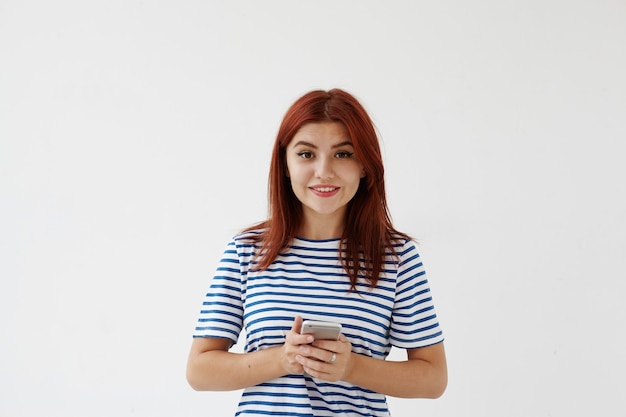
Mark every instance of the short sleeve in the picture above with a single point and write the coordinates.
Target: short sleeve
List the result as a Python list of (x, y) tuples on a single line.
[(221, 314), (414, 322)]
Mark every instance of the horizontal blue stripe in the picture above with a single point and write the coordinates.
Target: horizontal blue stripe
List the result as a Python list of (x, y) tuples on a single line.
[(415, 322), (207, 301), (332, 292), (323, 269), (315, 250), (418, 330), (274, 413), (325, 384), (229, 278), (224, 269), (348, 411), (303, 305), (272, 394), (334, 315), (290, 297), (285, 385), (413, 285), (340, 391), (413, 304), (236, 315), (363, 338), (375, 351), (276, 404), (338, 290), (305, 271), (200, 329), (303, 278), (262, 345), (334, 258), (222, 321), (233, 340), (419, 339), (250, 245), (217, 279), (229, 260), (413, 313), (402, 254)]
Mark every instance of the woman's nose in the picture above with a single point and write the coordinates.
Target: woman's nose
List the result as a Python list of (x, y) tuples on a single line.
[(324, 168)]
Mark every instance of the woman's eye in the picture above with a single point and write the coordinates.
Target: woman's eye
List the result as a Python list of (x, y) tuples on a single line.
[(305, 154), (344, 154)]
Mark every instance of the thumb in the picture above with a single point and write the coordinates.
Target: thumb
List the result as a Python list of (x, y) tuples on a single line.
[(297, 325)]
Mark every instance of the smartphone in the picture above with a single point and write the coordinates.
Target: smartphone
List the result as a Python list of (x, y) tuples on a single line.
[(321, 330)]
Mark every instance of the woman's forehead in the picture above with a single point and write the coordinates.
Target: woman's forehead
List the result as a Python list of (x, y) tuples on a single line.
[(322, 133)]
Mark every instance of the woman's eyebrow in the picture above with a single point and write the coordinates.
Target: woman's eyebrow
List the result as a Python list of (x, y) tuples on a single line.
[(339, 145), (304, 143), (310, 145)]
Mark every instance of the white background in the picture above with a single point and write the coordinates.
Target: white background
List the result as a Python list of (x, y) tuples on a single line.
[(135, 139)]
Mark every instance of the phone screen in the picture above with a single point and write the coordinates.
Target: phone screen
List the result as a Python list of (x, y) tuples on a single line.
[(321, 330)]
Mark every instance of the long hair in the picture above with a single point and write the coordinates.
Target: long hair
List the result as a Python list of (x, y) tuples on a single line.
[(368, 232)]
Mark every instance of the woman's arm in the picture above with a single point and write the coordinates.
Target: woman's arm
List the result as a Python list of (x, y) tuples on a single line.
[(211, 367), (423, 375)]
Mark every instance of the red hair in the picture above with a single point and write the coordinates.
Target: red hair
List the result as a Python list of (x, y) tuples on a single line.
[(368, 233)]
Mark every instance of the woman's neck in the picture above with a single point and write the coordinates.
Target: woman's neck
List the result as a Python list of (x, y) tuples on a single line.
[(322, 227)]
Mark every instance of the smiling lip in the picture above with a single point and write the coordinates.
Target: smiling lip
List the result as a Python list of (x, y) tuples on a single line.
[(324, 190)]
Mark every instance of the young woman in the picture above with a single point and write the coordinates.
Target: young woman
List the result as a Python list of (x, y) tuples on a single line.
[(327, 252)]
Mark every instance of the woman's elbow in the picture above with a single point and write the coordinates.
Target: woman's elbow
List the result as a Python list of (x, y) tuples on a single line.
[(432, 384), (193, 380), (438, 389), (438, 385)]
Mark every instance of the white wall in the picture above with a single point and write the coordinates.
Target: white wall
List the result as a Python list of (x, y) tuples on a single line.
[(135, 139)]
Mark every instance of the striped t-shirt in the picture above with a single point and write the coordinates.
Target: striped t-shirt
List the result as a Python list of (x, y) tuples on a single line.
[(308, 279)]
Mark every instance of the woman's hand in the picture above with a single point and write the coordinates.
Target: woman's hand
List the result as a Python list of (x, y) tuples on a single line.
[(291, 348), (329, 360)]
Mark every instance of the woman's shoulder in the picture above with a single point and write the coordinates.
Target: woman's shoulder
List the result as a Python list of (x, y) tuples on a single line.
[(402, 243), (400, 239), (249, 236)]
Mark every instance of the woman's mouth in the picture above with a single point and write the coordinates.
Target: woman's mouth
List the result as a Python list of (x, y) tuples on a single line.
[(325, 191)]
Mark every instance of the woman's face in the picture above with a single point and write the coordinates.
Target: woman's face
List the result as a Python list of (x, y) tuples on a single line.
[(323, 170)]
